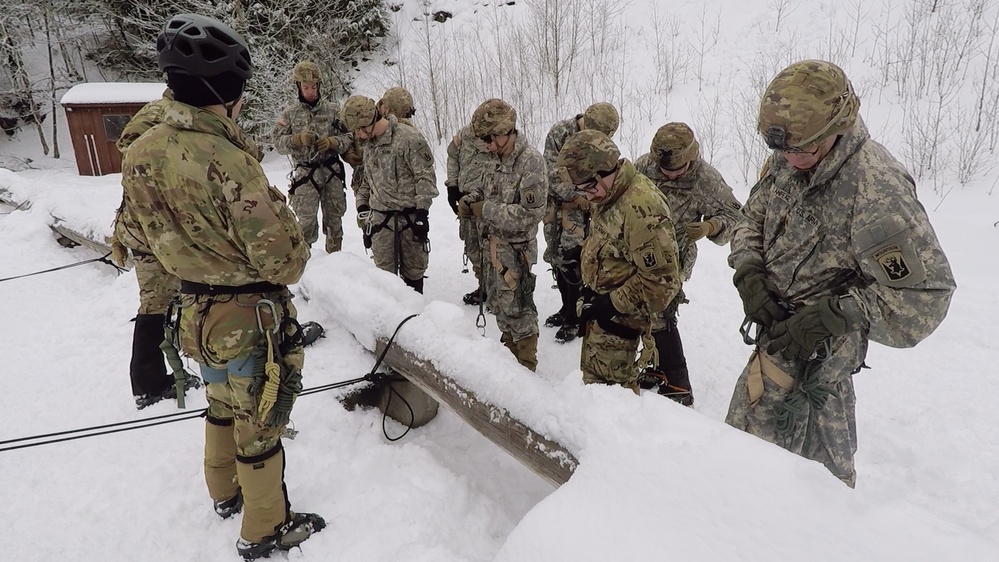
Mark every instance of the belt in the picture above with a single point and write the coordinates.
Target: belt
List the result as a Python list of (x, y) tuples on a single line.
[(192, 288)]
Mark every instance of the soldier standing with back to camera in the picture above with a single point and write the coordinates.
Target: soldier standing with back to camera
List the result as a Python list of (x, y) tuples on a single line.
[(197, 200), (399, 185), (834, 251), (567, 216), (629, 259), (703, 206), (509, 209), (311, 134)]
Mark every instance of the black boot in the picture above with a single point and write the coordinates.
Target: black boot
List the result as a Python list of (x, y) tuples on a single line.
[(416, 284), (673, 366), (147, 369), (474, 298)]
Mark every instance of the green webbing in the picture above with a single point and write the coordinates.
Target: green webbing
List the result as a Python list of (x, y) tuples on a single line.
[(173, 358)]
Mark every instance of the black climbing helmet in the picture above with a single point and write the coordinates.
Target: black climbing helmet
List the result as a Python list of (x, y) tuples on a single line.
[(202, 46)]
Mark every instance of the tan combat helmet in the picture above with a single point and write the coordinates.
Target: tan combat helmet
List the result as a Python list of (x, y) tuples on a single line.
[(397, 101), (586, 156), (602, 117), (358, 112), (806, 103), (674, 146), (306, 71), (494, 117)]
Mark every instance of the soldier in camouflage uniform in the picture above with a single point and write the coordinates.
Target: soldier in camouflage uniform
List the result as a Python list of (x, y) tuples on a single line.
[(468, 164), (702, 205), (399, 186), (150, 381), (311, 134), (629, 259), (508, 211), (834, 251), (567, 214), (397, 101), (197, 200)]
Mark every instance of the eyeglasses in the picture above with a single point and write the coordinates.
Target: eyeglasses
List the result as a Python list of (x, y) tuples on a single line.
[(488, 139), (589, 187), (800, 151)]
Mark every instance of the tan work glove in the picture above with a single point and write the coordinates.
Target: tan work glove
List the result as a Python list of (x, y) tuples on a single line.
[(303, 139), (465, 207), (698, 230), (325, 144), (119, 253)]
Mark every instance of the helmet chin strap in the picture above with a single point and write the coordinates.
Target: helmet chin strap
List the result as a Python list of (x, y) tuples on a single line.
[(229, 106)]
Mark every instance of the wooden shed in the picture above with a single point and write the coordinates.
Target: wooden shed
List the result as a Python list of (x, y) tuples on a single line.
[(96, 113)]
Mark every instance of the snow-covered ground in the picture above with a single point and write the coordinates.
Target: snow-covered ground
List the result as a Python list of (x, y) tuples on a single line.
[(655, 480)]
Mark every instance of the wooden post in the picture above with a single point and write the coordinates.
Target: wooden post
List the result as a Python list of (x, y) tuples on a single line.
[(547, 458)]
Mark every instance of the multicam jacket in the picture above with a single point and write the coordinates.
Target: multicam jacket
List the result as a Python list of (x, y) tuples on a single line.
[(698, 195), (398, 170), (631, 251)]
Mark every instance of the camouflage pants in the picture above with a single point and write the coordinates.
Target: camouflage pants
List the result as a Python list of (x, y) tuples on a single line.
[(307, 200), (468, 230), (511, 296), (608, 359), (407, 256), (565, 230), (827, 435), (229, 398), (157, 287)]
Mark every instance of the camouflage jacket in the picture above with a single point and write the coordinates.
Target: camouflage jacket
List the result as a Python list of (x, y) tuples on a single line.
[(398, 170), (631, 251), (201, 204), (557, 135), (468, 162), (514, 196), (700, 194), (323, 120), (852, 226)]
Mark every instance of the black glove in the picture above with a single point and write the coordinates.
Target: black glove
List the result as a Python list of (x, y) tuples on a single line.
[(760, 297), (802, 334), (597, 307), (419, 222), (453, 196), (366, 239)]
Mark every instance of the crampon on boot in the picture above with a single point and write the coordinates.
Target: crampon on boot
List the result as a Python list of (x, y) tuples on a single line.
[(227, 508), (555, 320), (682, 396), (650, 378), (169, 393), (567, 332), (473, 298), (312, 331), (300, 527)]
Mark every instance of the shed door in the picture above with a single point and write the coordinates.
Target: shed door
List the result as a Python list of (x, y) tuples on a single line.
[(109, 122)]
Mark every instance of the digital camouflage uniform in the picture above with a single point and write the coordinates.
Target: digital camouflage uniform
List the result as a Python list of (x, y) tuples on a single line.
[(850, 230), (196, 198), (567, 214), (468, 164), (399, 179), (628, 258), (512, 204), (700, 195), (318, 177)]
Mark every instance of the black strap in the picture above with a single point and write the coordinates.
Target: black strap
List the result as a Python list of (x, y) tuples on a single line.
[(331, 163), (192, 288), (620, 330)]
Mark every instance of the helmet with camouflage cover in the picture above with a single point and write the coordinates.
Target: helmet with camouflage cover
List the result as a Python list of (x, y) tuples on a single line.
[(603, 117), (805, 103), (397, 101), (494, 117), (306, 71), (674, 145), (358, 112), (585, 156)]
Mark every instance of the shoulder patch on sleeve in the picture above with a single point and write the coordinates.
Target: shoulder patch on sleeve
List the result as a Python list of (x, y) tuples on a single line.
[(888, 254), (532, 196)]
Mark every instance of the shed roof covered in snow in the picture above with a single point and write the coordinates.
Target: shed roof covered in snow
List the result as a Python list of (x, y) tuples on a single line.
[(102, 93)]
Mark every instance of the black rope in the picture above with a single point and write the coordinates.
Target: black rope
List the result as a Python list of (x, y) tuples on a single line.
[(103, 259), (143, 423)]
